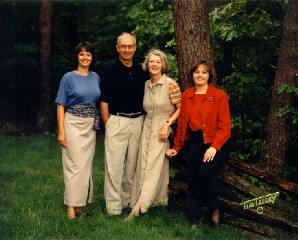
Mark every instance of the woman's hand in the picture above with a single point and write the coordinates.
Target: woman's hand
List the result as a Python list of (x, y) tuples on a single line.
[(163, 134), (62, 139), (209, 154), (171, 152), (60, 121)]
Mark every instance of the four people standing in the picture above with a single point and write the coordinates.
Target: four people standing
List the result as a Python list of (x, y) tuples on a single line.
[(162, 106), (123, 116), (205, 123), (77, 99)]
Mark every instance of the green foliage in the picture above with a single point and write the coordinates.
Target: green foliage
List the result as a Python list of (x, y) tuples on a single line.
[(31, 201), (152, 23), (246, 39), (247, 150), (243, 19), (291, 110), (248, 98), (249, 27)]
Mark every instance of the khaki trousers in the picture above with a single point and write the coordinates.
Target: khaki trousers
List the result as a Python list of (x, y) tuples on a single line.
[(122, 137)]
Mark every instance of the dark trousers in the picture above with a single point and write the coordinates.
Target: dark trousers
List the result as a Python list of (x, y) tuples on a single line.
[(202, 184)]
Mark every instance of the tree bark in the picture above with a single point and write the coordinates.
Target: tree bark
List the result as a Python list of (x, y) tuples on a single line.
[(277, 133), (193, 39), (266, 177), (45, 29)]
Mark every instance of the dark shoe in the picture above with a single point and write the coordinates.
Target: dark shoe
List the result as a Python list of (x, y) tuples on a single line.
[(215, 224), (126, 209)]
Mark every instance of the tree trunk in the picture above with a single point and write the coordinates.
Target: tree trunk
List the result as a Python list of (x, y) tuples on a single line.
[(45, 29), (193, 39), (277, 133)]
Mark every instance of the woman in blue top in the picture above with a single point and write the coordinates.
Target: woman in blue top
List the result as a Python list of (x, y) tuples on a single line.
[(77, 118)]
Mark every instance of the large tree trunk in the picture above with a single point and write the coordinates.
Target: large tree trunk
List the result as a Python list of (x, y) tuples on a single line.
[(45, 30), (193, 39), (277, 133)]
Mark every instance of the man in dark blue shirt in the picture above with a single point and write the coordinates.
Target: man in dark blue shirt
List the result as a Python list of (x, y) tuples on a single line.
[(123, 115)]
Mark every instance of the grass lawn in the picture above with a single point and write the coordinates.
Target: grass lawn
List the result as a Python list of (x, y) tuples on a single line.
[(31, 195)]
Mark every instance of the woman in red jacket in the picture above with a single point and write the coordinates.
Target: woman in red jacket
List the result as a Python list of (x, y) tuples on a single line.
[(205, 123)]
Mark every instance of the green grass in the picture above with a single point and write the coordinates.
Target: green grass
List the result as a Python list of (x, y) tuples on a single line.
[(31, 201)]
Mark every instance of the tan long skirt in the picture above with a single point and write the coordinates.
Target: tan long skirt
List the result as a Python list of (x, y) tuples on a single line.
[(77, 160)]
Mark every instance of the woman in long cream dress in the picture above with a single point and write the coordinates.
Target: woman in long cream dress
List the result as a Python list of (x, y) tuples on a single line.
[(162, 100)]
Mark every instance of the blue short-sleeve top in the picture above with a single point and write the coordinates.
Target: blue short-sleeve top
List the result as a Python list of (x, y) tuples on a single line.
[(77, 89)]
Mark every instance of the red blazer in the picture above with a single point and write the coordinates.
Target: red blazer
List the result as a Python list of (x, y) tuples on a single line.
[(216, 120)]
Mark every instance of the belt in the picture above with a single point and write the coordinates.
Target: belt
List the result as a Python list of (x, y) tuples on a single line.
[(128, 115)]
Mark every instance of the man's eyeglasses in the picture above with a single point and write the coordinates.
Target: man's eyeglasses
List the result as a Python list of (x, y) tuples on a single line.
[(130, 47)]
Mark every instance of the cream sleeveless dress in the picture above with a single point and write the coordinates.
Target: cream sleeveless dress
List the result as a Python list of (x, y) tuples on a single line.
[(152, 175)]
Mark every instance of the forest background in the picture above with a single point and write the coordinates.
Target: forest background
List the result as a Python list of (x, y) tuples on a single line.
[(246, 37)]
